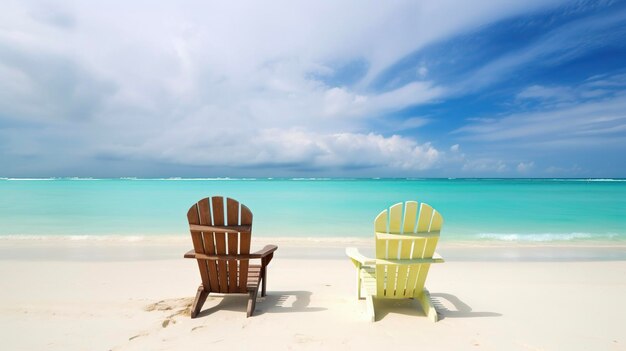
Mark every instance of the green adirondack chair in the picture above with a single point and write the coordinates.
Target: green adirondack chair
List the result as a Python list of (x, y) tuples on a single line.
[(405, 248)]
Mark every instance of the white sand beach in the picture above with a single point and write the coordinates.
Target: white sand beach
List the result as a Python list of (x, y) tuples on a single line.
[(107, 299)]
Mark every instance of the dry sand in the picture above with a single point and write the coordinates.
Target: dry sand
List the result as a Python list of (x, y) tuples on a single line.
[(100, 296)]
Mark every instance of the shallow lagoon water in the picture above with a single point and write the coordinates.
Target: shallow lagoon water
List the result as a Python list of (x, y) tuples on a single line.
[(507, 210)]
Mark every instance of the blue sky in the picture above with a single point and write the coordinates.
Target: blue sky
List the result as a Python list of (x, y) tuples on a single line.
[(289, 88)]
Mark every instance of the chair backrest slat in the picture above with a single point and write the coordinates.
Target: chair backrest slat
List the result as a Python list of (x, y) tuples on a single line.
[(410, 216), (437, 223), (217, 208), (423, 222), (418, 248), (245, 218), (196, 237), (405, 248), (395, 218)]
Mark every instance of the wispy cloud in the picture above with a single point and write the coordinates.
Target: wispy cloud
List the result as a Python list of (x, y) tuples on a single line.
[(602, 118), (562, 44), (559, 94), (593, 88)]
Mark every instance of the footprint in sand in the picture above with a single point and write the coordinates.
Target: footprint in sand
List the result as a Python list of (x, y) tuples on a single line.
[(138, 335), (305, 339), (181, 307), (198, 327)]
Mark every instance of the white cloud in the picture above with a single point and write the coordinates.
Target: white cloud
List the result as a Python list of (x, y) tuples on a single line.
[(414, 122), (338, 102), (524, 167), (559, 171), (422, 71), (375, 150), (293, 147), (484, 166)]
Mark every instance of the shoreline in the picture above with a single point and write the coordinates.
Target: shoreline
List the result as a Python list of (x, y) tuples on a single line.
[(600, 179), (178, 238), (119, 248)]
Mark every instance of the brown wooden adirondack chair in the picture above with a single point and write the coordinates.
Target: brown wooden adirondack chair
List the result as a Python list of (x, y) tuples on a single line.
[(221, 242)]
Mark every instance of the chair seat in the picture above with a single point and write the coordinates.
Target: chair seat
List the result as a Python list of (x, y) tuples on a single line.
[(368, 278), (254, 277)]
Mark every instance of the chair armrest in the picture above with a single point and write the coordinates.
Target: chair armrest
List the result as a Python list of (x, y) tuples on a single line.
[(404, 261), (190, 254), (437, 258), (264, 253), (268, 249), (357, 258)]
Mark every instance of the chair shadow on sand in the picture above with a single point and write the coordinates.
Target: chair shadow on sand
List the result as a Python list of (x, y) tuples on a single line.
[(447, 306), (273, 302), (443, 303)]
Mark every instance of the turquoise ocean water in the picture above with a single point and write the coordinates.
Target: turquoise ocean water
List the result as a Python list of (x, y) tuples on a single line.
[(518, 210)]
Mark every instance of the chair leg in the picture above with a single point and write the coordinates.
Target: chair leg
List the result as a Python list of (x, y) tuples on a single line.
[(358, 283), (371, 313), (201, 296), (264, 262), (427, 306), (263, 280), (252, 301)]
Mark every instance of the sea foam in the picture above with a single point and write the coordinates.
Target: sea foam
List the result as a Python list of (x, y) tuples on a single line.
[(545, 237)]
